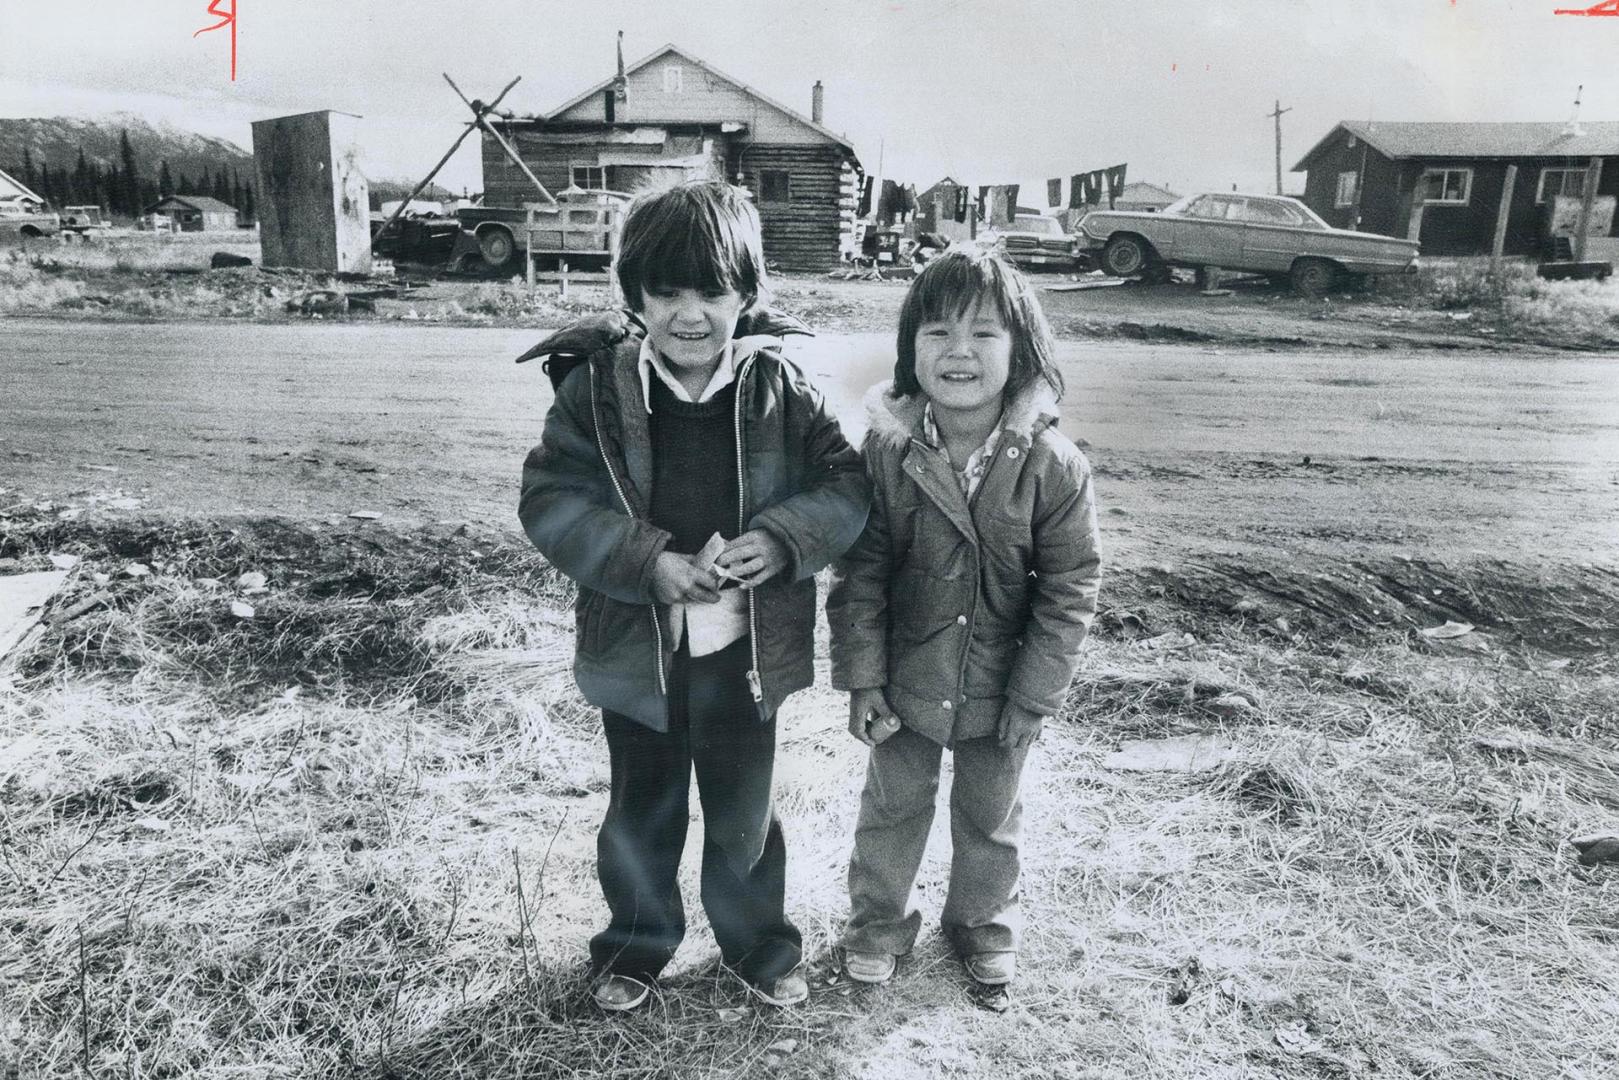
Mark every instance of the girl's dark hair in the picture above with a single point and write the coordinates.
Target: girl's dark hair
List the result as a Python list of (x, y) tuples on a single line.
[(951, 286), (701, 234)]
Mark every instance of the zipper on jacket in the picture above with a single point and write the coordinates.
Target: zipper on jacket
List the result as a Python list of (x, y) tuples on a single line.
[(755, 686), (601, 448)]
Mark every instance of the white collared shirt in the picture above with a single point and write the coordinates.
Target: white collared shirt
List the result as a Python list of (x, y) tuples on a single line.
[(651, 364)]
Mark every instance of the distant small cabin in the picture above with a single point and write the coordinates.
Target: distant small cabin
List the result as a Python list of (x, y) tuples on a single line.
[(1143, 196), (194, 213)]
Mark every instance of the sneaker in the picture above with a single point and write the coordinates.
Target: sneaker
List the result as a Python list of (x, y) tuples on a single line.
[(790, 989), (619, 993), (868, 967), (992, 968)]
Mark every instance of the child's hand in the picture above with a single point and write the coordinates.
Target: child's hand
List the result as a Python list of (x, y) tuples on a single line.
[(1018, 726), (870, 719), (754, 557), (676, 579)]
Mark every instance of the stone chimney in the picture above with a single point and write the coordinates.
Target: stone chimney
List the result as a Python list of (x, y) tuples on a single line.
[(816, 102)]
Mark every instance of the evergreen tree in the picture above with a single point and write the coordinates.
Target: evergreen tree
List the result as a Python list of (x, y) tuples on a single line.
[(221, 189), (165, 181), (83, 187), (129, 176), (250, 212), (28, 176)]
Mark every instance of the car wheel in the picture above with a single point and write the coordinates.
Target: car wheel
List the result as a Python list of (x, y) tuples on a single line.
[(1312, 277), (496, 246), (1125, 256)]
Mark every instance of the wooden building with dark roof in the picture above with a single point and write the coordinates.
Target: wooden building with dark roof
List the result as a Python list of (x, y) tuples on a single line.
[(1378, 173), (671, 116)]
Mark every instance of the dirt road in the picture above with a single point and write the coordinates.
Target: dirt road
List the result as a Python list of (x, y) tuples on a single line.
[(1206, 449)]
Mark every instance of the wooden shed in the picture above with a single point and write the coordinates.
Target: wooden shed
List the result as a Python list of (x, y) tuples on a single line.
[(313, 198), (1449, 177), (671, 116), (195, 213)]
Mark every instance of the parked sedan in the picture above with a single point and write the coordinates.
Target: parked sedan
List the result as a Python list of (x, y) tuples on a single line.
[(1037, 241), (1265, 234), (21, 218)]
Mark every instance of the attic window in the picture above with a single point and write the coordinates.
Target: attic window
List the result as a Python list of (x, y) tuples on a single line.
[(775, 186), (674, 79)]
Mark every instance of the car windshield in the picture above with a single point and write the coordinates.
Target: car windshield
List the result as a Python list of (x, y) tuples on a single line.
[(1037, 224)]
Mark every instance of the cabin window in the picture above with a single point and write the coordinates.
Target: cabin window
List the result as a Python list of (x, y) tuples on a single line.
[(775, 186), (1346, 189), (1559, 182), (674, 79), (1452, 187), (589, 177)]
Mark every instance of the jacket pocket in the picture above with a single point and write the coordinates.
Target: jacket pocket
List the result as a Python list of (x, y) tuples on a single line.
[(587, 621)]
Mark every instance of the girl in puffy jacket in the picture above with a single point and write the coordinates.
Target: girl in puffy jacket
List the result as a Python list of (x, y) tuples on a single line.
[(958, 615)]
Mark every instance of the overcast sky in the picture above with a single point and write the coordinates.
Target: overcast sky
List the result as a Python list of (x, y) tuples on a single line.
[(988, 91)]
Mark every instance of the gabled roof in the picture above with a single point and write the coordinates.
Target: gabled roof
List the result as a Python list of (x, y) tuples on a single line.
[(694, 61), (196, 202), (12, 188), (1403, 139), (1141, 191)]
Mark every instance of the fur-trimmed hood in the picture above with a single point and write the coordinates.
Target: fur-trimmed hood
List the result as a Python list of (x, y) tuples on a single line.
[(895, 419)]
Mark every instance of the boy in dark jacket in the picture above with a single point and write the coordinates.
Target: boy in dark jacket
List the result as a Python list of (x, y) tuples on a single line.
[(663, 448)]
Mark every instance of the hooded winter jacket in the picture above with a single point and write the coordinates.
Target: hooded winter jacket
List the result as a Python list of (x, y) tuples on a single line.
[(954, 609), (587, 487)]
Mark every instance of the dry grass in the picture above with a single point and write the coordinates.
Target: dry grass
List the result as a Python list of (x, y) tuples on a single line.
[(309, 864), (1513, 301)]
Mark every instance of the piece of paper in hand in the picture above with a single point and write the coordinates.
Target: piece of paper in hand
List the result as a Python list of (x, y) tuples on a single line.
[(711, 551)]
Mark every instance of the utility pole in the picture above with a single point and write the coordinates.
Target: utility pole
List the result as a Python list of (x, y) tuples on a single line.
[(1277, 114)]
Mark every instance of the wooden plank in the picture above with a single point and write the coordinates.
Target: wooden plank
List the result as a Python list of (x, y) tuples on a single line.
[(1501, 218), (1593, 177), (1413, 229), (22, 600)]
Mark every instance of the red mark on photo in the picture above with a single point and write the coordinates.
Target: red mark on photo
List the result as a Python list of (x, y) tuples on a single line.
[(1608, 9), (226, 10)]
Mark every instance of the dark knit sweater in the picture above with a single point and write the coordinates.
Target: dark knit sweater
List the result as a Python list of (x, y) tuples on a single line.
[(694, 492)]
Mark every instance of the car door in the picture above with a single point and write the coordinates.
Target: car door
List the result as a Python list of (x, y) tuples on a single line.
[(1211, 232), (1276, 234)]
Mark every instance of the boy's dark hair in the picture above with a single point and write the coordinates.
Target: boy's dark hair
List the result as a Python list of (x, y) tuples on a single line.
[(949, 287), (701, 234)]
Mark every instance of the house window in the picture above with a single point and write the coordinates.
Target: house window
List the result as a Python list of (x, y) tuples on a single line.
[(1447, 186), (1346, 189), (589, 177), (1559, 182), (674, 79), (775, 186)]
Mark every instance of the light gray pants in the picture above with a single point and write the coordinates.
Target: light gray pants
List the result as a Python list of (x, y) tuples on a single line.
[(896, 811)]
